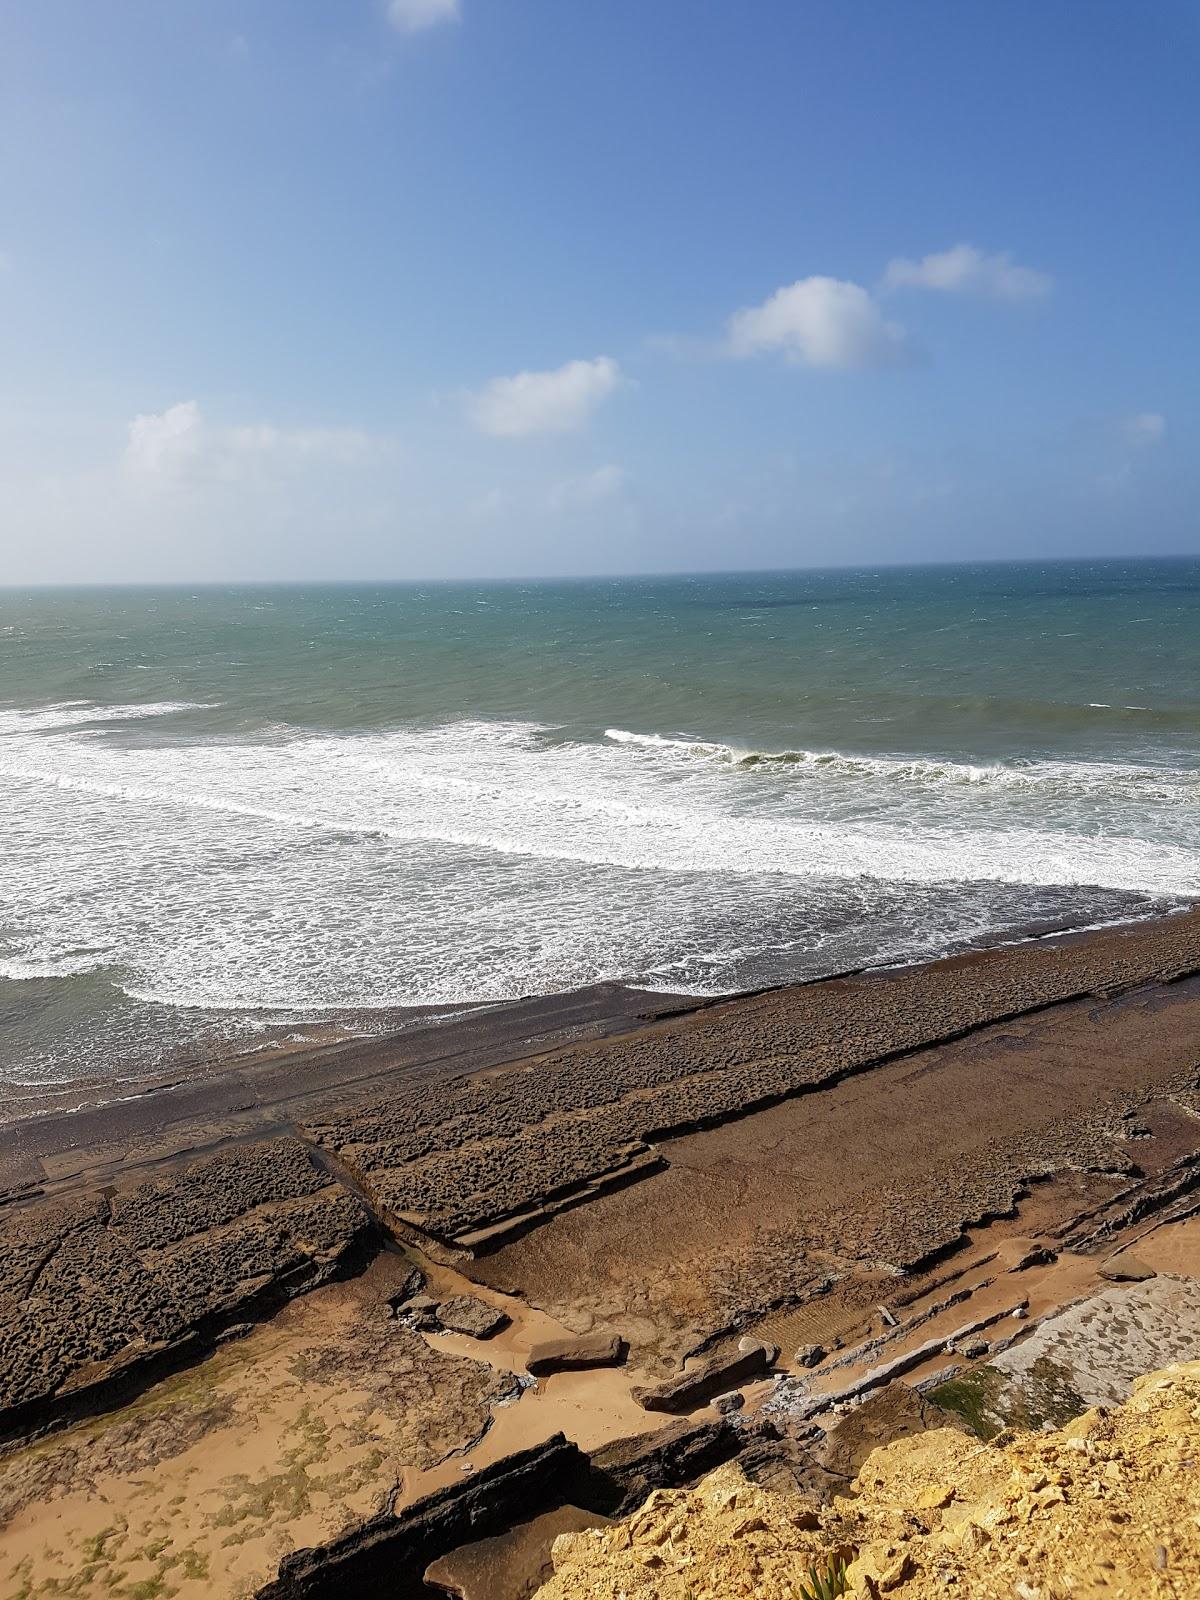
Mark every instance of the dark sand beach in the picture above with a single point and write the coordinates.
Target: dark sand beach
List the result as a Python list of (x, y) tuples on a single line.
[(224, 1367)]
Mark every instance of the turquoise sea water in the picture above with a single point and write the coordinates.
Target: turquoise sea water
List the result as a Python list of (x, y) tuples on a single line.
[(224, 808)]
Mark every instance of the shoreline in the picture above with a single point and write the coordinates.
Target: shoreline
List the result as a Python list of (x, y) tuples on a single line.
[(28, 1101)]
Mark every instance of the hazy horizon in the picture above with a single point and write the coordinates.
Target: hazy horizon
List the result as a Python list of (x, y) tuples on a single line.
[(386, 581)]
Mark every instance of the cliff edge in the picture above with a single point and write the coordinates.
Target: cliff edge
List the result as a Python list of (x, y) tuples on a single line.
[(1103, 1509)]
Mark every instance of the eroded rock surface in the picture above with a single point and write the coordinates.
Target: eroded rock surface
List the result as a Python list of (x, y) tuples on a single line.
[(98, 1280), (795, 1224), (459, 1159), (93, 1288), (827, 1204)]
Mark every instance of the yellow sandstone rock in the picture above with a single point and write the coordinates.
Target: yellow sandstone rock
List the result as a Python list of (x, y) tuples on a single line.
[(1107, 1508)]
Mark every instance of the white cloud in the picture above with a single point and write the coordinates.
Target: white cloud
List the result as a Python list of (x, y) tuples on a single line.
[(588, 489), (1147, 427), (179, 444), (819, 322), (411, 16), (163, 444), (963, 269), (544, 402)]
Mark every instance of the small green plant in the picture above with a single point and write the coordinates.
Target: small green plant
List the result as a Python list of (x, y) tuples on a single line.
[(826, 1585)]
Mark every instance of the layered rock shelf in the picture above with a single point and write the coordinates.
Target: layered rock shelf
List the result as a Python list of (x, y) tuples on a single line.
[(310, 1345)]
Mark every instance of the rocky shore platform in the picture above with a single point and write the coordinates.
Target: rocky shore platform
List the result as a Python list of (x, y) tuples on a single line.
[(332, 1322)]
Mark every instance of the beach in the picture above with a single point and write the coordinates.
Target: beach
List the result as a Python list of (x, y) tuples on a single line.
[(236, 1281)]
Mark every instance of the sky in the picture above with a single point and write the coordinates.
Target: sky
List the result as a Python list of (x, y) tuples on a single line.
[(375, 289)]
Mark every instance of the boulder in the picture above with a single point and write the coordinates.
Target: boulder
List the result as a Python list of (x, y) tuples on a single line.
[(810, 1355), (410, 1286), (570, 1354), (733, 1401), (477, 1319), (969, 1349), (1126, 1268), (749, 1343), (1039, 1256), (419, 1312), (688, 1391)]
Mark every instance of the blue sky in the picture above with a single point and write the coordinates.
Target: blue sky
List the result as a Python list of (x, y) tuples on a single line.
[(424, 288)]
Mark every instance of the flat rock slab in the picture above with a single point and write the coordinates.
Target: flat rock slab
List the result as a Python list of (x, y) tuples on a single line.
[(690, 1390), (1088, 1354), (1113, 1337), (477, 1319), (571, 1354), (420, 1312)]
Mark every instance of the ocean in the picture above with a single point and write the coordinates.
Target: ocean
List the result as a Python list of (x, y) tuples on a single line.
[(238, 815)]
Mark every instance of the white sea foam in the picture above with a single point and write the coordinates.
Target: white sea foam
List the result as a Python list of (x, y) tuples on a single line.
[(489, 788), (475, 861), (81, 713)]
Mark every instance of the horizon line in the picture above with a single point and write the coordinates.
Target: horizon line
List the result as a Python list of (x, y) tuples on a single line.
[(589, 577)]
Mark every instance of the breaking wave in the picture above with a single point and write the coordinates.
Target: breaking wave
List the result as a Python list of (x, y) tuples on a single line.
[(1163, 782)]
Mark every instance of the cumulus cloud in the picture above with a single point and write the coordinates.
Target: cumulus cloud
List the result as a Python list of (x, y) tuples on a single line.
[(589, 489), (164, 443), (179, 444), (560, 401), (1146, 427), (963, 269), (411, 16), (819, 322)]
